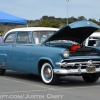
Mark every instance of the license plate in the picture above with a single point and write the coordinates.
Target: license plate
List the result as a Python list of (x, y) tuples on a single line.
[(90, 69)]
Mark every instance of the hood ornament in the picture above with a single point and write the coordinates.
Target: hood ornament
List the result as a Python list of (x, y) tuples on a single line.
[(88, 23), (90, 62)]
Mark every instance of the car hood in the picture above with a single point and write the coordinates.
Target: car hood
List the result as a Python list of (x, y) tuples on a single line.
[(76, 31)]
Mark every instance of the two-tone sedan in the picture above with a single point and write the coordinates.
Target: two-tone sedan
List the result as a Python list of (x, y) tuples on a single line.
[(51, 52)]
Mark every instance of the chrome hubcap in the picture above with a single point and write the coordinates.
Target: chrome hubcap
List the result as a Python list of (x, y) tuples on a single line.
[(48, 73)]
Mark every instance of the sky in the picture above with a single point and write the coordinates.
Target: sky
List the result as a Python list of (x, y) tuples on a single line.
[(35, 9)]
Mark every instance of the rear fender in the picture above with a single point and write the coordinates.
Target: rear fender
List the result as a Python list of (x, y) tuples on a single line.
[(2, 59)]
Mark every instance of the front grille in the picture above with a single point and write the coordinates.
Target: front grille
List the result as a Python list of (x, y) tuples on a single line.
[(87, 51), (83, 53), (96, 63), (80, 60), (74, 67)]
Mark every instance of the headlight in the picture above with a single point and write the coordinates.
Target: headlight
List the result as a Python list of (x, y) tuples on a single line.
[(66, 53)]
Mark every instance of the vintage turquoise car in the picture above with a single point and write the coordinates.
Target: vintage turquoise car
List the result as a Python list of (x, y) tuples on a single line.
[(51, 52)]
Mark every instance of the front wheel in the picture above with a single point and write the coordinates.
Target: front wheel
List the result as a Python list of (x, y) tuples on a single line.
[(47, 74), (92, 77)]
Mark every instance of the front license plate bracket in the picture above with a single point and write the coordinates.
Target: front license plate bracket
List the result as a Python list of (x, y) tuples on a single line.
[(91, 69)]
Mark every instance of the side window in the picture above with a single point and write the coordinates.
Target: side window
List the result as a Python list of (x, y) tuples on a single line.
[(23, 38), (41, 36), (10, 38), (36, 37)]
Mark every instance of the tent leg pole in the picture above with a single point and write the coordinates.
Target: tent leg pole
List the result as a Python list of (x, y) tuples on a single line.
[(27, 25)]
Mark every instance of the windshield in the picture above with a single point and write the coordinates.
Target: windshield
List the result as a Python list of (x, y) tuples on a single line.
[(41, 36)]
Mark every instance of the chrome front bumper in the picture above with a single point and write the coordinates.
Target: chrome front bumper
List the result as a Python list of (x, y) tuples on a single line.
[(79, 70)]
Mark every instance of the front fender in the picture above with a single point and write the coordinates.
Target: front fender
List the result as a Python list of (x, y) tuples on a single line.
[(50, 54), (48, 59)]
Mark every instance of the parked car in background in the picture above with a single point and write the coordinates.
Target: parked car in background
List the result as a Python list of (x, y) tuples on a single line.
[(51, 53), (93, 39)]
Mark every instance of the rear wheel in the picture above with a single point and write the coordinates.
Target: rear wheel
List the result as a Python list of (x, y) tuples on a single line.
[(47, 74), (2, 71), (91, 78)]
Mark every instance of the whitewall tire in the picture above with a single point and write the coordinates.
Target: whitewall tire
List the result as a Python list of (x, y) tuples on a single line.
[(47, 74)]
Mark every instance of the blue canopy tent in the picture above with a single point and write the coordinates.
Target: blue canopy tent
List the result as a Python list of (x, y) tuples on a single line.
[(11, 19)]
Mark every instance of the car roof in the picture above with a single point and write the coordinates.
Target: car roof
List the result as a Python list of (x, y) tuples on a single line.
[(34, 29)]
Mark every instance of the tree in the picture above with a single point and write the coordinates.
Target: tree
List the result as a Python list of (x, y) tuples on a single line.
[(81, 18), (49, 23), (44, 18), (54, 23), (1, 32), (44, 23)]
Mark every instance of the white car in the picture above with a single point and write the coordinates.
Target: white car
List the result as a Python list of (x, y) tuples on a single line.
[(93, 40)]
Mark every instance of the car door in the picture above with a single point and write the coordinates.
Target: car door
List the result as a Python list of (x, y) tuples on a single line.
[(6, 47), (21, 52)]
